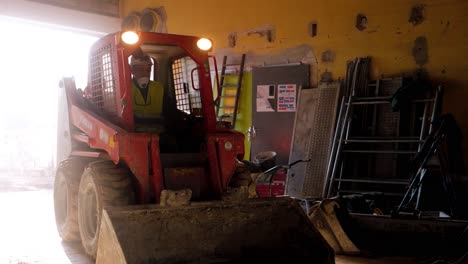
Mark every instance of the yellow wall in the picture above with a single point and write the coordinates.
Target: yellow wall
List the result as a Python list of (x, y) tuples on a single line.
[(244, 116), (388, 40)]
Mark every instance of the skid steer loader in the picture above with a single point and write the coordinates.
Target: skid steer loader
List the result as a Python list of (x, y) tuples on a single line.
[(117, 189)]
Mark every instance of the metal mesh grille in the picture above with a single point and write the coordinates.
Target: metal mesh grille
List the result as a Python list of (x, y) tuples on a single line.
[(321, 139), (103, 82), (188, 99)]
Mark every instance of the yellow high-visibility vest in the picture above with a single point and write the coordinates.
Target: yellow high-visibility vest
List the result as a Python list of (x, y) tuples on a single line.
[(153, 106)]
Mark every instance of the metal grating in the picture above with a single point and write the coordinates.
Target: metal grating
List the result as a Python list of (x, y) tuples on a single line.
[(321, 139), (313, 133), (304, 119), (188, 99), (102, 81)]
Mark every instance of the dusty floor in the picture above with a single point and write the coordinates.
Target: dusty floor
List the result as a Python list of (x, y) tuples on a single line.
[(27, 226)]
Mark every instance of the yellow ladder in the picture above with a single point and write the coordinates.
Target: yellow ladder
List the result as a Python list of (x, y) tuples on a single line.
[(231, 83)]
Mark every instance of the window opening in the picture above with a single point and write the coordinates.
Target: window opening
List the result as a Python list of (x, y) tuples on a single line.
[(102, 81), (188, 99)]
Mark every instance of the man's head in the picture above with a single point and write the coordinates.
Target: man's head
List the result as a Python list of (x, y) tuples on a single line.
[(141, 64)]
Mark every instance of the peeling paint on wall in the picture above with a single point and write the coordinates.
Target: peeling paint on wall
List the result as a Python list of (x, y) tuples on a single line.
[(417, 14), (361, 22), (232, 39), (420, 53), (326, 76), (446, 27), (328, 56), (302, 54), (266, 31), (299, 54)]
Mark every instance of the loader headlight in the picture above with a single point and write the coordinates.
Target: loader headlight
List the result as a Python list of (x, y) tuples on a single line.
[(204, 44), (130, 37)]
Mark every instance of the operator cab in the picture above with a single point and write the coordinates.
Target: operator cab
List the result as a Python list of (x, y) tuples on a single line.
[(177, 63), (182, 107), (181, 145)]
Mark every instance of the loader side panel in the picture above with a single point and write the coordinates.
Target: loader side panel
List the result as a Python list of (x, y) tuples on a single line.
[(223, 150)]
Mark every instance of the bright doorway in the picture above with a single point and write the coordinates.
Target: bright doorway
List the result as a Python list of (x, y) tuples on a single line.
[(34, 57)]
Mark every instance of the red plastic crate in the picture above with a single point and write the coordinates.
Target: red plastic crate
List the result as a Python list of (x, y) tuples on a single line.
[(278, 185)]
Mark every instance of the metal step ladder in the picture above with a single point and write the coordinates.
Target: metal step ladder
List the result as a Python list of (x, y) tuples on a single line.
[(230, 84)]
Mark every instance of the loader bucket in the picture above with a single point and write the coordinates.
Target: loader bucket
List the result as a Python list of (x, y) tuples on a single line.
[(211, 232)]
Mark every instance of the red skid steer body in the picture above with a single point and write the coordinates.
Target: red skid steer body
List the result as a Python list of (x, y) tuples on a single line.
[(134, 196)]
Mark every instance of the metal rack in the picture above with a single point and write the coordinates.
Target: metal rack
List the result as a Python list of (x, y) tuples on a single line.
[(368, 131)]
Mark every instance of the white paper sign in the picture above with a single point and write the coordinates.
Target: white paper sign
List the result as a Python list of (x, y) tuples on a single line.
[(286, 98), (263, 105), (265, 92)]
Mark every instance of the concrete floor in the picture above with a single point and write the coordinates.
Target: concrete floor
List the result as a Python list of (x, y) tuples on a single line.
[(27, 224), (28, 232)]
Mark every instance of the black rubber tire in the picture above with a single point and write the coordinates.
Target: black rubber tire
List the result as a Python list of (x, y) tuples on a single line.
[(103, 184), (66, 185)]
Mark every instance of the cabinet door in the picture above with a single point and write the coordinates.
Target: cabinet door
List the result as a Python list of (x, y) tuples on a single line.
[(272, 128)]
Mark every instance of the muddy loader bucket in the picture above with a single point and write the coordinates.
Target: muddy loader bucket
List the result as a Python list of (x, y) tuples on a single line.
[(211, 232)]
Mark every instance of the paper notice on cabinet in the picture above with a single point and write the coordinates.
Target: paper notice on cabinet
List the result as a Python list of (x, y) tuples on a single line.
[(263, 105), (264, 93), (287, 98)]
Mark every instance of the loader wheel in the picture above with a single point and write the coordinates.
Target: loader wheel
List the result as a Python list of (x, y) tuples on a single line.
[(66, 185), (241, 176), (103, 184)]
